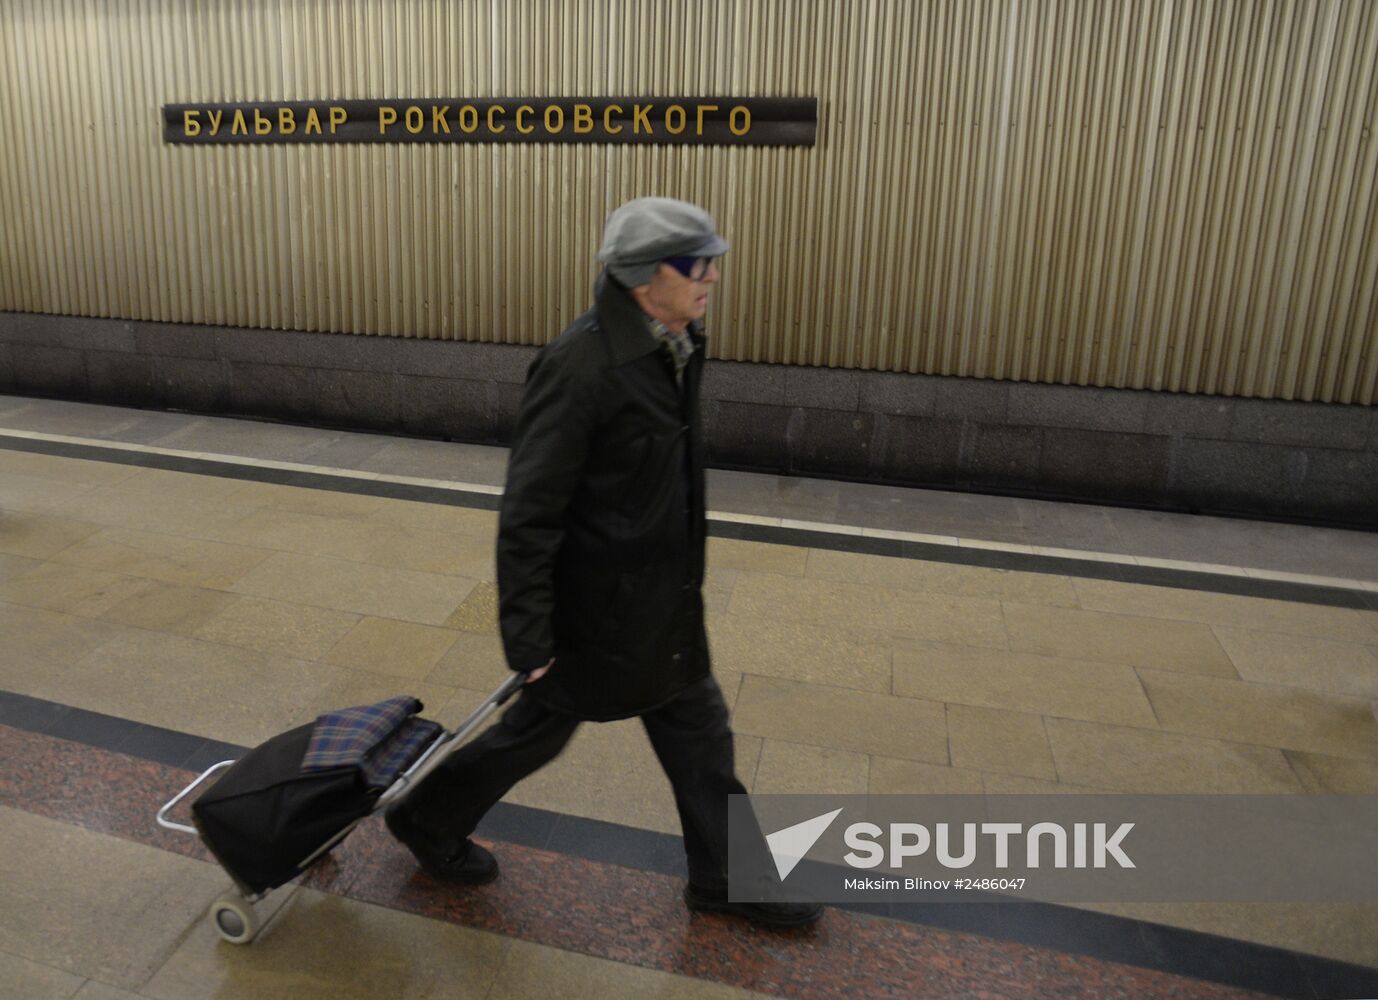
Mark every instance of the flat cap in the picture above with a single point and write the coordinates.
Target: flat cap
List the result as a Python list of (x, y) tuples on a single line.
[(645, 231)]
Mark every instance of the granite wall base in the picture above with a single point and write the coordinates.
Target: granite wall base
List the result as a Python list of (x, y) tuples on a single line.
[(1291, 460)]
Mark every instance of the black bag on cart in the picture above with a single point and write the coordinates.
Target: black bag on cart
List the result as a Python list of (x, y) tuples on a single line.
[(284, 800)]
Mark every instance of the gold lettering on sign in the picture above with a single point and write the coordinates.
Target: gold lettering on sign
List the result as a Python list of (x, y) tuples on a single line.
[(746, 119), (583, 119), (386, 116), (287, 121), (527, 109), (215, 117), (670, 113), (262, 126), (416, 120), (496, 129), (607, 119), (641, 115), (313, 122), (468, 119), (559, 126), (438, 121), (702, 110), (337, 118), (190, 124), (238, 126)]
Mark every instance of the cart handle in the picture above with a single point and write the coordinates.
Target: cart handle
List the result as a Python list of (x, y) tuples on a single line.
[(163, 821), (449, 741)]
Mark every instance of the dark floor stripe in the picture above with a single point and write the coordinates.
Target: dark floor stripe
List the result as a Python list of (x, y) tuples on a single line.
[(604, 910), (1219, 583), (1066, 929)]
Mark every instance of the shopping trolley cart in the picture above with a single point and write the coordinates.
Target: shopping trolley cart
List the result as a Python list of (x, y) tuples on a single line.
[(266, 819)]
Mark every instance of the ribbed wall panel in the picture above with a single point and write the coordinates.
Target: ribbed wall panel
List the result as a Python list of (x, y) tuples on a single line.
[(1163, 194)]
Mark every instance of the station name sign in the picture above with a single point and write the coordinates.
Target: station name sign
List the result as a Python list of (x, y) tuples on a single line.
[(676, 121)]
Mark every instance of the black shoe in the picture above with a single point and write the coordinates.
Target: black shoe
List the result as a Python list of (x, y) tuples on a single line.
[(470, 865), (798, 913)]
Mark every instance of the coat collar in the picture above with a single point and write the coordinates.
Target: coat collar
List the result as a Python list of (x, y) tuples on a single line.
[(626, 326)]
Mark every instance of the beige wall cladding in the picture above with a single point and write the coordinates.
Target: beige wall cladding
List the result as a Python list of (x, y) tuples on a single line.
[(1161, 194)]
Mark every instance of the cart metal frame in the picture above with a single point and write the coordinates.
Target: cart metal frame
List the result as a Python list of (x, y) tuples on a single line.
[(233, 913)]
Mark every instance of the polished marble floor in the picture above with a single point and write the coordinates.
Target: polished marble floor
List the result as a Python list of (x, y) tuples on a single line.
[(173, 586)]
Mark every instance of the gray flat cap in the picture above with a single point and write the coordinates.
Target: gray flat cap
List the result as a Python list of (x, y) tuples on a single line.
[(645, 231)]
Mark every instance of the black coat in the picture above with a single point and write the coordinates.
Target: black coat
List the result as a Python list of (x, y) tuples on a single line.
[(601, 536)]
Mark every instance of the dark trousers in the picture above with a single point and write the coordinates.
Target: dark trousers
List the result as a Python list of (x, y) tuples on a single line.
[(690, 736)]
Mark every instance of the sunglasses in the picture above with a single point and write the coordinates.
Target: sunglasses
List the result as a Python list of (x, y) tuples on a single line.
[(693, 268)]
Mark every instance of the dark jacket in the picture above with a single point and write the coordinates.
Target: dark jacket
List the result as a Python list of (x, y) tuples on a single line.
[(601, 536)]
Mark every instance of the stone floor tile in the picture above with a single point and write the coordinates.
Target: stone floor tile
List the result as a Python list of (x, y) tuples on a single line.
[(38, 644), (76, 590), (1264, 614), (1069, 526), (417, 516), (776, 496), (1115, 638), (170, 558), (1265, 714), (452, 461), (758, 557), (478, 612), (396, 648), (892, 776), (471, 555), (533, 970), (1346, 932), (1021, 682), (33, 495), (320, 945), (12, 566), (119, 508), (164, 483), (221, 692), (75, 419), (800, 652), (798, 769), (120, 934), (294, 630), (37, 536), (607, 772), (346, 450), (1015, 784), (475, 661), (94, 990), (1324, 775), (309, 534), (993, 739), (61, 469), (301, 500), (974, 621), (837, 718), (717, 590), (941, 578), (1302, 661), (1147, 762), (24, 979), (429, 598), (171, 607), (246, 438)]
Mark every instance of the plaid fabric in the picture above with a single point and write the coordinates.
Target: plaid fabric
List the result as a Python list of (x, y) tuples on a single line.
[(399, 751), (348, 736), (680, 345)]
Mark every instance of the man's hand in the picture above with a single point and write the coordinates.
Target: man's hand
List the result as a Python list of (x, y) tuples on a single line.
[(539, 672)]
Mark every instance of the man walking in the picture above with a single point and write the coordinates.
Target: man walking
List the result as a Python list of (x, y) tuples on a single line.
[(601, 559)]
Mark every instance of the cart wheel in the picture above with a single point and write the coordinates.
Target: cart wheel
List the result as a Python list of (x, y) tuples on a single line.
[(235, 918)]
